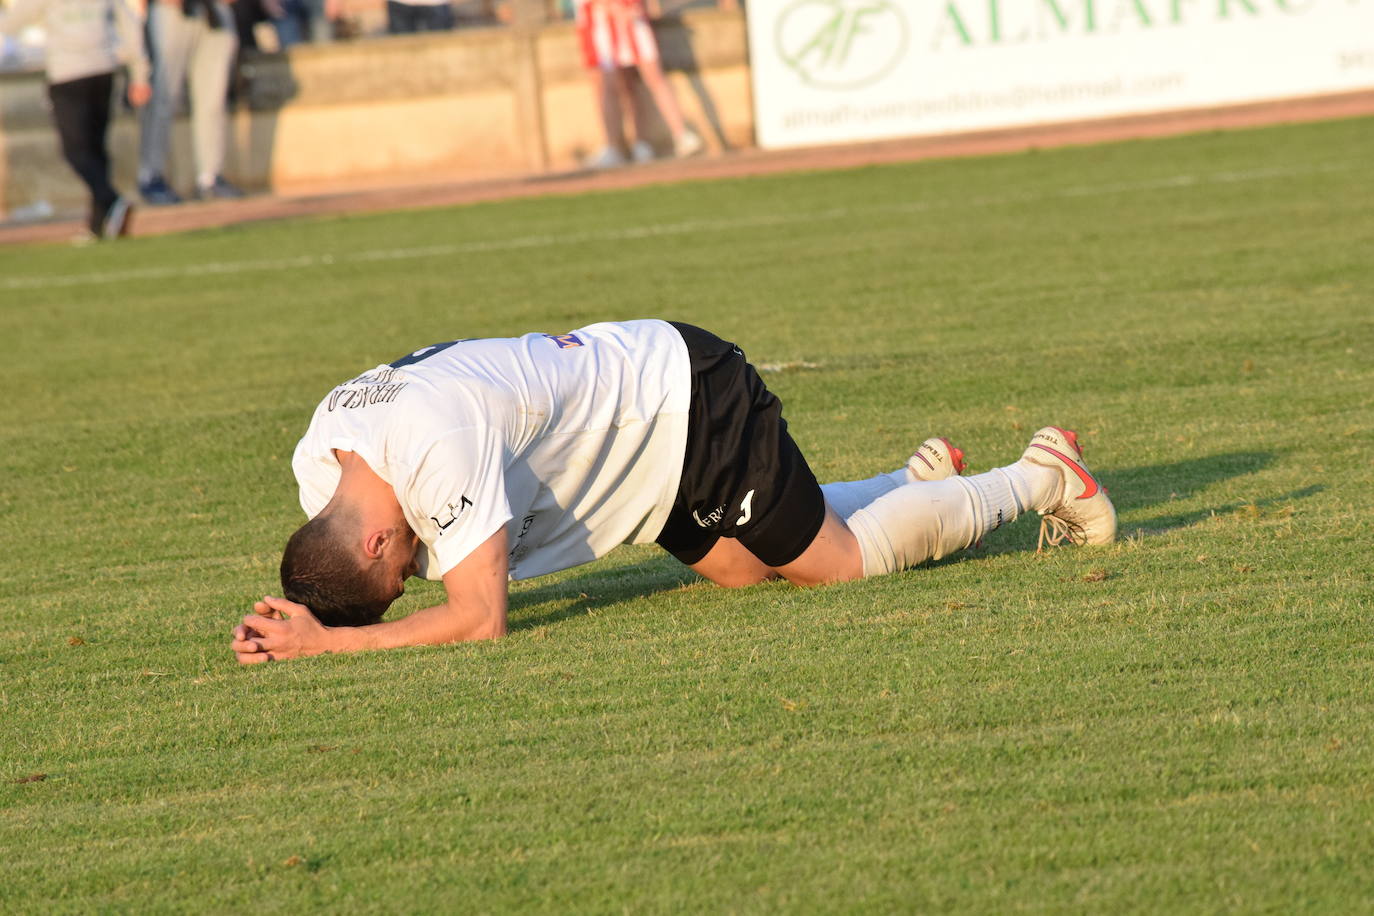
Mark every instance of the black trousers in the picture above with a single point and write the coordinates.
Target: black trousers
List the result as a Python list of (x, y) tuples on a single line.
[(81, 109)]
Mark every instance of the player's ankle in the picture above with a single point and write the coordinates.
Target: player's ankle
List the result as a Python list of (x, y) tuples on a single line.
[(1045, 484)]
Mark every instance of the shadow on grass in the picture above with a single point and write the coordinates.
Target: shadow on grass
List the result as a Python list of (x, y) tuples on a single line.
[(1165, 523), (1151, 485), (1143, 487), (1131, 488), (589, 591), (1148, 485)]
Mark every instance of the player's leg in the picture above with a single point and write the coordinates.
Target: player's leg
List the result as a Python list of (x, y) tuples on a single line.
[(930, 520), (730, 564), (834, 555), (935, 459)]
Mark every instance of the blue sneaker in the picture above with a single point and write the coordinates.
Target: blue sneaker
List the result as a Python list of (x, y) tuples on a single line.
[(157, 193), (220, 190)]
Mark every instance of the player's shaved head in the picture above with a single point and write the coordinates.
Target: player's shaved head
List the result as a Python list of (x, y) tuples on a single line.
[(321, 569)]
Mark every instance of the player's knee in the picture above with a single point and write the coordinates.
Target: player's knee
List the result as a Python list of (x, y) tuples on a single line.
[(740, 578), (807, 578)]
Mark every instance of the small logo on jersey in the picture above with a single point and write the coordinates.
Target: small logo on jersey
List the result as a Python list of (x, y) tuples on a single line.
[(712, 519), (518, 552), (451, 513), (565, 341), (747, 507)]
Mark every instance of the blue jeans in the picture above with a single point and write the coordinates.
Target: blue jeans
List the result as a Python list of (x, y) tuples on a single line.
[(402, 18), (301, 21)]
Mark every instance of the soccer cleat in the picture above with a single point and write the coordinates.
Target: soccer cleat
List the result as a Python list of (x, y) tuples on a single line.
[(935, 459), (1084, 514)]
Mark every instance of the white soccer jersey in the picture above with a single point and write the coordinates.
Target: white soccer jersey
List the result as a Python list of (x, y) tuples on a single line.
[(573, 442)]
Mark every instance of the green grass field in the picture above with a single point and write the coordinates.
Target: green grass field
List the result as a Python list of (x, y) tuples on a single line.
[(1181, 722)]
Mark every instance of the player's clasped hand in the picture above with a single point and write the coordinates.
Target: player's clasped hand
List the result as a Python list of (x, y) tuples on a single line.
[(279, 629)]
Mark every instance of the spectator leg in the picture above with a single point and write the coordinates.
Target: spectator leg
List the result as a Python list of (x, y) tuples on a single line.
[(400, 18), (169, 42), (607, 86), (651, 71), (81, 110), (211, 64)]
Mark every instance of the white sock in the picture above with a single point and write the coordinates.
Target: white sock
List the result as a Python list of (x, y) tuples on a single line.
[(927, 520), (1039, 487), (848, 496)]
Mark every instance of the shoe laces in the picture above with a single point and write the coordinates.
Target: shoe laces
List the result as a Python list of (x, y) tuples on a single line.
[(1055, 531)]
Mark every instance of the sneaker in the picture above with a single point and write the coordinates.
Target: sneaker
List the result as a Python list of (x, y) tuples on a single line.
[(220, 190), (689, 144), (642, 152), (936, 459), (156, 192), (1084, 513), (119, 220), (608, 158)]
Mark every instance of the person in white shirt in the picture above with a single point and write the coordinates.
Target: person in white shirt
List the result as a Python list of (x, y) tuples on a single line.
[(475, 462), (87, 41)]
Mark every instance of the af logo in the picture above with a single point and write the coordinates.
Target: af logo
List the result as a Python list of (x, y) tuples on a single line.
[(841, 44), (451, 513)]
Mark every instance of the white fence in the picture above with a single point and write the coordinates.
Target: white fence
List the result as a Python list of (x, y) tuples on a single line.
[(830, 71)]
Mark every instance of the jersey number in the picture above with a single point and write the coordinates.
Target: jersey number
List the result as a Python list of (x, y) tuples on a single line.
[(411, 359)]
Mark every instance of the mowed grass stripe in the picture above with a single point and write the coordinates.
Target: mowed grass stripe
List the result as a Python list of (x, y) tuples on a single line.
[(631, 233), (1180, 722)]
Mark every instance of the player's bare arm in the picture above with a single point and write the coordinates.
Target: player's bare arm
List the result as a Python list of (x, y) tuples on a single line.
[(476, 609)]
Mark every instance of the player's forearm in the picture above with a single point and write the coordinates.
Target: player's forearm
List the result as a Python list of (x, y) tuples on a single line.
[(432, 626)]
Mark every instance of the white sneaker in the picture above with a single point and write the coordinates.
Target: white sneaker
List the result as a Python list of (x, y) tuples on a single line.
[(608, 158), (689, 144), (936, 459), (119, 220), (1084, 514), (642, 152)]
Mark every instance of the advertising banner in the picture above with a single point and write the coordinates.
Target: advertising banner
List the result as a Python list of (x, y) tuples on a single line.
[(831, 71)]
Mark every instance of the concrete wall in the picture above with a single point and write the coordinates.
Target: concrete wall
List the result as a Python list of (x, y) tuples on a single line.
[(477, 103)]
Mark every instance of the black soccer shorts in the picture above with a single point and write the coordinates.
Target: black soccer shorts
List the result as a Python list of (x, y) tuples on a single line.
[(742, 475)]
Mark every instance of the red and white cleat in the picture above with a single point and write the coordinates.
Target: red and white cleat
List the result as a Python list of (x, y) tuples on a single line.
[(936, 459), (1084, 514)]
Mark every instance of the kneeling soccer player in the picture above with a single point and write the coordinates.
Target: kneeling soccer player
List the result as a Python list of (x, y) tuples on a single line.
[(480, 461)]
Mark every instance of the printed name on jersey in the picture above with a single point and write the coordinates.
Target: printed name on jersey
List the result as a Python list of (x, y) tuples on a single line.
[(565, 341), (451, 513), (363, 396)]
